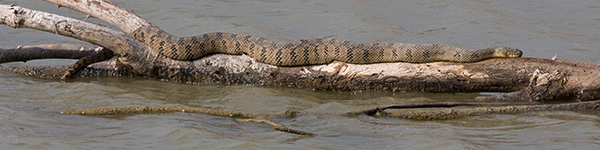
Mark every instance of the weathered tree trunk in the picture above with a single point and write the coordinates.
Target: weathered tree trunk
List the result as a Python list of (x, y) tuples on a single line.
[(527, 79)]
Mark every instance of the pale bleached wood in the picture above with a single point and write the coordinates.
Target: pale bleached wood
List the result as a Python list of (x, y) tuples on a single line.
[(105, 11)]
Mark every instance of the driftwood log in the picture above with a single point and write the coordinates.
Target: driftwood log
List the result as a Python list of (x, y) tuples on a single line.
[(521, 79)]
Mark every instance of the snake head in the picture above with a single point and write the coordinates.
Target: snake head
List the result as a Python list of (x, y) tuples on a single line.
[(507, 52)]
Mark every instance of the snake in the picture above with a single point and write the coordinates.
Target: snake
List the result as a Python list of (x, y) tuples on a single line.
[(308, 51), (299, 53)]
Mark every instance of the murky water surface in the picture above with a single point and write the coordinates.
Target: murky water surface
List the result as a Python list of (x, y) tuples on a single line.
[(29, 107)]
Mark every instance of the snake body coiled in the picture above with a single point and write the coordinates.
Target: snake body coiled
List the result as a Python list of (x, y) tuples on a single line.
[(308, 52)]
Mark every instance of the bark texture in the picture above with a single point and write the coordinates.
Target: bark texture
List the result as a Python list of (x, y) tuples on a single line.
[(25, 53)]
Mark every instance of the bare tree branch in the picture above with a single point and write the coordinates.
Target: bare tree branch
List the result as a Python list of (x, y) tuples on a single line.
[(26, 53), (18, 17)]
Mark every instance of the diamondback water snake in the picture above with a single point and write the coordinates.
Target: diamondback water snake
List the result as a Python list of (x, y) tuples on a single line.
[(308, 52), (303, 52)]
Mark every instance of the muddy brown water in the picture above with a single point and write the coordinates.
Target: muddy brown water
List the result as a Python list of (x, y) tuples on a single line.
[(29, 107)]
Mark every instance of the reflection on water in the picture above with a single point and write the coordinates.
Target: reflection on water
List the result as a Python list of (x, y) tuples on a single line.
[(29, 107)]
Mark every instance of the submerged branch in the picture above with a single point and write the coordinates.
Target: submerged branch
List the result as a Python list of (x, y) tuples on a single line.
[(167, 109), (410, 113), (249, 117), (277, 126), (381, 110), (462, 112)]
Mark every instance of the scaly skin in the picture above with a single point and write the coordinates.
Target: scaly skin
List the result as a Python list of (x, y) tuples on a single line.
[(308, 52)]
